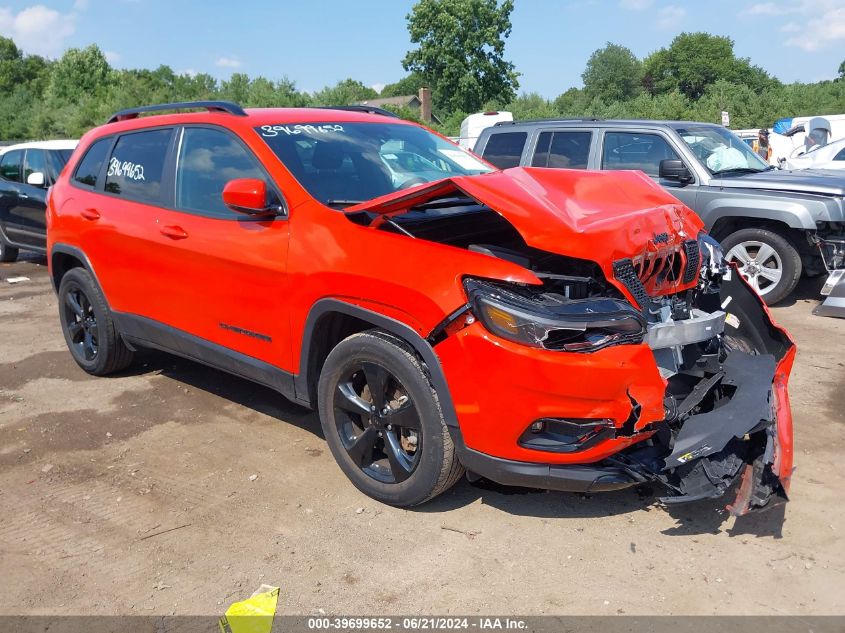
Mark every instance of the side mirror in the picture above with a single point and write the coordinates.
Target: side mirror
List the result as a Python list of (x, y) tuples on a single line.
[(674, 169), (248, 195), (36, 179)]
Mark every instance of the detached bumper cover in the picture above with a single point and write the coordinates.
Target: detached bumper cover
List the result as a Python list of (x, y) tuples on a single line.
[(750, 408)]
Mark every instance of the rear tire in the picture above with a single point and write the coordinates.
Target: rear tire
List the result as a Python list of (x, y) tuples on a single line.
[(90, 331), (769, 261), (7, 253), (403, 463)]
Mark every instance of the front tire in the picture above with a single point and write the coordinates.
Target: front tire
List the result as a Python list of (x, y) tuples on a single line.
[(90, 332), (767, 260), (7, 253), (382, 421)]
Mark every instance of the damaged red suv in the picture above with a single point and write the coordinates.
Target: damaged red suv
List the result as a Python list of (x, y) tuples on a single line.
[(567, 330)]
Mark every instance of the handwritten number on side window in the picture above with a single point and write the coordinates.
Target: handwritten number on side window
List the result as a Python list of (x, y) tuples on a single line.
[(126, 169)]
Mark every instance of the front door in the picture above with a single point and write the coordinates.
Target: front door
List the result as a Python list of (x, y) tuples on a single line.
[(222, 273), (644, 151), (20, 203)]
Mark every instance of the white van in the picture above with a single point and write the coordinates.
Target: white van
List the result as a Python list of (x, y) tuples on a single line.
[(472, 126)]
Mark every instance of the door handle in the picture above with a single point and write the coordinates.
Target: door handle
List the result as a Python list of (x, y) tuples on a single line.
[(90, 214), (174, 232)]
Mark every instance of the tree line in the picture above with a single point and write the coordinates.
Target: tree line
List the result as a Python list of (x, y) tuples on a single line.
[(458, 51)]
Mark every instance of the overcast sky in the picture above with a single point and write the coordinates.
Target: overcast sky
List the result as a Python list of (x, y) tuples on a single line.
[(319, 42)]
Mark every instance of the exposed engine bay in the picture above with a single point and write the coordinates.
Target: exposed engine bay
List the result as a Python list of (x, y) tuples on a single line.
[(713, 343)]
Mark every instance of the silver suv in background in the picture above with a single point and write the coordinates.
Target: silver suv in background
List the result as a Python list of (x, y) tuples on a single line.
[(775, 224)]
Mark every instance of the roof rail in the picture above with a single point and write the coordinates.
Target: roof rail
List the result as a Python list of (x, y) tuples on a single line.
[(211, 106), (362, 108), (563, 120)]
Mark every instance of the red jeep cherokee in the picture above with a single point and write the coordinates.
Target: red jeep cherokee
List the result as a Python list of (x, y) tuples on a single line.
[(568, 330)]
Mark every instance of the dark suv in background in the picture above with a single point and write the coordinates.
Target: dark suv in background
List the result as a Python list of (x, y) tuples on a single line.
[(26, 172), (775, 224)]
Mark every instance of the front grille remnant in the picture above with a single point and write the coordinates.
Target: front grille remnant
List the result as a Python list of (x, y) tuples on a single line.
[(623, 270), (693, 260)]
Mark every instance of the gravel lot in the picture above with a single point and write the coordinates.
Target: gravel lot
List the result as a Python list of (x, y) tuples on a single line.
[(174, 488)]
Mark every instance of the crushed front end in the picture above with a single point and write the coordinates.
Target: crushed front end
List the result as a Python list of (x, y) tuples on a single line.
[(706, 410), (727, 414), (618, 349)]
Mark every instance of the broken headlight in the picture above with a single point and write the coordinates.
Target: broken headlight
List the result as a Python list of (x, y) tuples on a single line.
[(553, 322), (712, 256)]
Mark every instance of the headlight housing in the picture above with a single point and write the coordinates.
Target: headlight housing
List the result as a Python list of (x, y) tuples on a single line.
[(532, 318)]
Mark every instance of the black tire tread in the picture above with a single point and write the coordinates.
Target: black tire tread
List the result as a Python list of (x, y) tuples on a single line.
[(451, 469), (117, 355), (8, 253)]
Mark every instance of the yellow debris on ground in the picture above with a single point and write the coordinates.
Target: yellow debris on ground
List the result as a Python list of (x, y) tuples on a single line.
[(253, 615)]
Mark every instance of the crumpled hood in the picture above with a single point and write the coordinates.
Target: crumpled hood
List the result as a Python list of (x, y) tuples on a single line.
[(601, 216)]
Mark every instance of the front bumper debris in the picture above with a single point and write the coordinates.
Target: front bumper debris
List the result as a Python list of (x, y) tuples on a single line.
[(724, 423), (702, 461), (834, 293)]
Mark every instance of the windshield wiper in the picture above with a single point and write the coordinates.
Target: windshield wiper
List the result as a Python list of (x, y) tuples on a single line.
[(341, 203)]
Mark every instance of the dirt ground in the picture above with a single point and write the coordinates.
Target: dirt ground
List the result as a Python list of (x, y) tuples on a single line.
[(174, 488)]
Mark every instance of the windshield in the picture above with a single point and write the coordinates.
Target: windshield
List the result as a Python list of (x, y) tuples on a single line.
[(721, 151), (345, 163)]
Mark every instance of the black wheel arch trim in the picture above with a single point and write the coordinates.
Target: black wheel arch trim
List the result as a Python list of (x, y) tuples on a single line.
[(403, 331), (76, 252)]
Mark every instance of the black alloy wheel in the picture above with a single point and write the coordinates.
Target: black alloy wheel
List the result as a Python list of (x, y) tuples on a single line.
[(383, 422), (81, 323), (378, 423)]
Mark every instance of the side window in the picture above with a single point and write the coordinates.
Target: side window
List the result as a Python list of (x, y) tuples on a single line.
[(504, 150), (136, 166), (208, 159), (10, 165), (56, 161), (541, 152), (626, 150), (840, 155), (34, 162), (89, 167), (563, 150)]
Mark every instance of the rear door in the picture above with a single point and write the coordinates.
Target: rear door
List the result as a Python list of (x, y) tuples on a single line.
[(124, 182), (563, 148)]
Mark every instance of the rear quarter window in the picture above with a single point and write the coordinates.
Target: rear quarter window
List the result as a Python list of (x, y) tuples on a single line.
[(136, 165), (91, 165), (505, 149)]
